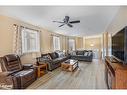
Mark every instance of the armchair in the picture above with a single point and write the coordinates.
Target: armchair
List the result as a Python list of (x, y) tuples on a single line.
[(15, 74)]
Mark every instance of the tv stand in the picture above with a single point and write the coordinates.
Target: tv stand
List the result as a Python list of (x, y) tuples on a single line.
[(115, 74), (113, 60)]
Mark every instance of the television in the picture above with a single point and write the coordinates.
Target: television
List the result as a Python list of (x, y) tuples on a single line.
[(119, 45)]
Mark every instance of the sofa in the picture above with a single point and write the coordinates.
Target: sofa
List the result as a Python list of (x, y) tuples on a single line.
[(14, 74), (82, 55), (53, 59)]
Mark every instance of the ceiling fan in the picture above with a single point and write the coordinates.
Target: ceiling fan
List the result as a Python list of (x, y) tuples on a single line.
[(66, 21)]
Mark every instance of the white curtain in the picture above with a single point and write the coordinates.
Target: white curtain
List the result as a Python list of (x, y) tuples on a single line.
[(17, 40), (56, 43)]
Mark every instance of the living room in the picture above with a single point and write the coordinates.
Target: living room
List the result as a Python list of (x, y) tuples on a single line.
[(51, 42)]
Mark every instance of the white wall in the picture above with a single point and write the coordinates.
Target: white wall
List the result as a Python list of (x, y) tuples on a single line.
[(119, 21)]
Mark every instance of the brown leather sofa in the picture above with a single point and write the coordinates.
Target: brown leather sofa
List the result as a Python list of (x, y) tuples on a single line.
[(15, 74)]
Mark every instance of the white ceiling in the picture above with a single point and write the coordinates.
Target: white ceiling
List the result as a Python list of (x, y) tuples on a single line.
[(94, 19)]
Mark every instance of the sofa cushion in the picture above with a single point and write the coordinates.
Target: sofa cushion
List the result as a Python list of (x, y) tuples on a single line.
[(53, 55), (25, 76), (11, 58), (46, 56), (57, 60), (23, 72), (11, 62), (64, 58), (80, 52)]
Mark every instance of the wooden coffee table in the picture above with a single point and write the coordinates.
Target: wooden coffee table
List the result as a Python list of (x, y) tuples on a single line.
[(69, 65)]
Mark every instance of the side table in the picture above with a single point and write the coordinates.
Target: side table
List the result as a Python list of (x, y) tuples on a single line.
[(41, 70)]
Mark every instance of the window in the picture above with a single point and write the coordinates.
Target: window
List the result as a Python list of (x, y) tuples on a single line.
[(71, 44), (56, 43), (30, 40)]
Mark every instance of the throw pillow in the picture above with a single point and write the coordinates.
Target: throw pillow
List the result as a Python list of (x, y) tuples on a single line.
[(60, 54), (80, 52), (53, 55), (89, 53), (73, 53), (86, 53)]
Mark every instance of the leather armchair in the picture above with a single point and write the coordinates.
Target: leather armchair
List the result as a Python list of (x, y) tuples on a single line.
[(15, 74)]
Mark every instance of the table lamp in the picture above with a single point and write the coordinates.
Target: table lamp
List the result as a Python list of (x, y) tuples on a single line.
[(36, 56)]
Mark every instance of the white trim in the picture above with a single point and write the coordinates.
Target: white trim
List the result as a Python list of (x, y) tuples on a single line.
[(94, 36), (54, 43)]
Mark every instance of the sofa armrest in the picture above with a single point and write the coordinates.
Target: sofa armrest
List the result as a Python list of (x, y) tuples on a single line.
[(4, 74), (48, 60), (45, 60), (6, 81), (27, 66)]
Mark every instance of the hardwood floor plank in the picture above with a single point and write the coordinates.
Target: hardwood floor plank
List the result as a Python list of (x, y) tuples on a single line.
[(88, 76)]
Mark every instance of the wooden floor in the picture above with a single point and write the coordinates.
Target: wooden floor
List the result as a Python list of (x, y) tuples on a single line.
[(89, 76)]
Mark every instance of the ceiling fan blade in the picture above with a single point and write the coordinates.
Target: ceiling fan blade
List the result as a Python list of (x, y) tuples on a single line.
[(69, 25), (61, 25), (58, 21), (77, 21)]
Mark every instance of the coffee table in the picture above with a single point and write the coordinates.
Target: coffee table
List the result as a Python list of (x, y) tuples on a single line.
[(69, 65)]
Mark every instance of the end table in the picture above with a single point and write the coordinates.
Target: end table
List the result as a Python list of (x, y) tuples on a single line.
[(41, 69)]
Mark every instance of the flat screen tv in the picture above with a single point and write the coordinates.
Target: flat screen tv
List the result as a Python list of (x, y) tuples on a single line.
[(119, 45)]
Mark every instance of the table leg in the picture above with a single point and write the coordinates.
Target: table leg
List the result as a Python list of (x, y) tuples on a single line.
[(71, 68), (38, 72), (46, 69), (78, 66)]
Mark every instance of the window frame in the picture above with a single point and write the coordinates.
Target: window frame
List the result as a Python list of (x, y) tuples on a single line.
[(27, 32), (74, 44), (55, 48)]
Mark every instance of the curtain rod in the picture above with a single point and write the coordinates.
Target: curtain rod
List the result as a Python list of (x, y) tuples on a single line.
[(27, 28), (30, 28), (55, 35)]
